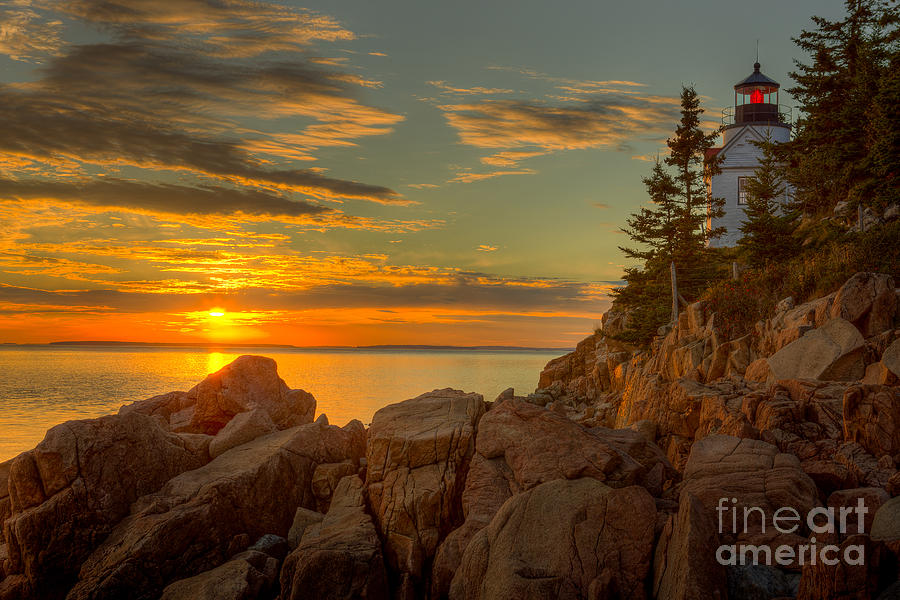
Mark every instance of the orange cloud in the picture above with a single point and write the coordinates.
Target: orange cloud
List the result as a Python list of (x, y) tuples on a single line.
[(466, 177), (172, 92), (469, 91), (578, 114), (238, 28), (508, 158), (26, 35), (518, 124)]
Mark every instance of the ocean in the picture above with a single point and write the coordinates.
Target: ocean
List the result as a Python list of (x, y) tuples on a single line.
[(42, 386)]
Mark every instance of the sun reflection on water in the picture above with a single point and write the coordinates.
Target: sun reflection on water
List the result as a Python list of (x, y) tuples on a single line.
[(217, 360)]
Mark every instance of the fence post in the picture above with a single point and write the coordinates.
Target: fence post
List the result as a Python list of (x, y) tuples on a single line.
[(674, 293), (734, 270)]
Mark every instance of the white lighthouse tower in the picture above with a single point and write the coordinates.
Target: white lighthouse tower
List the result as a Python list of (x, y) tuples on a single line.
[(756, 115)]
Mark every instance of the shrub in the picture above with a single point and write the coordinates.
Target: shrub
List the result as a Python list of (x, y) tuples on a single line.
[(739, 304), (815, 272)]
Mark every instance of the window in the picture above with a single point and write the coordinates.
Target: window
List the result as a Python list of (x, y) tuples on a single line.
[(742, 190)]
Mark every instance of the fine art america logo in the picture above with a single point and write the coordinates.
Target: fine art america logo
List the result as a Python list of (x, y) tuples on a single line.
[(820, 521)]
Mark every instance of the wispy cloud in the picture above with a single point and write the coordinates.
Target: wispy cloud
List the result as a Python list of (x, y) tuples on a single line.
[(609, 121), (508, 158), (160, 197), (466, 291), (574, 115), (27, 35), (568, 83), (236, 28), (487, 248), (173, 87), (446, 88), (467, 177)]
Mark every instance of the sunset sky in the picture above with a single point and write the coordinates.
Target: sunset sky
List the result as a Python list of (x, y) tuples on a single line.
[(343, 172)]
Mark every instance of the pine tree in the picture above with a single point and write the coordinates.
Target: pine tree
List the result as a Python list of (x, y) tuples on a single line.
[(827, 161), (884, 133), (769, 225), (673, 228), (688, 155), (655, 230)]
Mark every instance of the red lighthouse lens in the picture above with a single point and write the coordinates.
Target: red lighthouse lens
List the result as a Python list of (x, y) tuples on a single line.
[(756, 97)]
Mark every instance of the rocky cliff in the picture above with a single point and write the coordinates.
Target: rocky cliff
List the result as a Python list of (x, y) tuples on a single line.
[(624, 475)]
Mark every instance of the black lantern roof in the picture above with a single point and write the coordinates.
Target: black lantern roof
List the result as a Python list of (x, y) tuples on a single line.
[(757, 78)]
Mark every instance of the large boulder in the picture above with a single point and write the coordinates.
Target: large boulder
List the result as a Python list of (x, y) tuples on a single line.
[(489, 483), (325, 480), (868, 300), (864, 469), (655, 470), (832, 352), (520, 446), (241, 429), (878, 374), (5, 511), (248, 576), (303, 518), (891, 358), (339, 557), (762, 582), (886, 524), (248, 383), (70, 491), (417, 456), (577, 374), (563, 539), (842, 580), (788, 326), (15, 587), (872, 418), (753, 472), (683, 567), (540, 445), (202, 517), (677, 407), (5, 502), (872, 498)]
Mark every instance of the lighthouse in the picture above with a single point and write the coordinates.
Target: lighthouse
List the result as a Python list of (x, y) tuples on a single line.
[(755, 116)]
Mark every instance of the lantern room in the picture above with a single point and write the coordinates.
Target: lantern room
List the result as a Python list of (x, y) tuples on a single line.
[(756, 100)]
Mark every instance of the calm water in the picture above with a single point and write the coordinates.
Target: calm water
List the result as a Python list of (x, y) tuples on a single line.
[(41, 387)]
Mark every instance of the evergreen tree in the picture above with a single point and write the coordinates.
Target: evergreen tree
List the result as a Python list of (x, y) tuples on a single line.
[(827, 161), (884, 131), (688, 155), (673, 229), (769, 224), (655, 229)]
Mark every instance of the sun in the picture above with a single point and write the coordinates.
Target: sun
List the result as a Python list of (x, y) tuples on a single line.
[(217, 312)]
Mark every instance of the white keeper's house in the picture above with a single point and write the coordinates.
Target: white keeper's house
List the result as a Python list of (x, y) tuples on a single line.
[(755, 115)]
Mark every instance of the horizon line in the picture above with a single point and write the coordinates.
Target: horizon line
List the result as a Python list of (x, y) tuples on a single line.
[(114, 343)]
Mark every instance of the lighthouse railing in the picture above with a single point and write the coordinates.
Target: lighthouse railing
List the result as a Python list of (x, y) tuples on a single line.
[(785, 116)]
